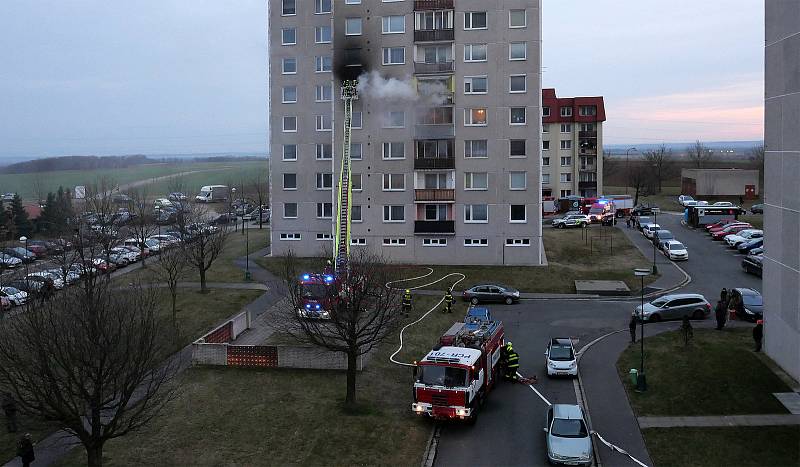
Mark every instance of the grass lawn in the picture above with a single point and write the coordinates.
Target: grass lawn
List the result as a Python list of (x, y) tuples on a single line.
[(757, 220), (224, 269), (228, 416), (774, 446), (717, 374), (229, 173)]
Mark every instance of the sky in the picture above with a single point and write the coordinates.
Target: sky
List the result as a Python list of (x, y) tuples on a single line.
[(190, 76)]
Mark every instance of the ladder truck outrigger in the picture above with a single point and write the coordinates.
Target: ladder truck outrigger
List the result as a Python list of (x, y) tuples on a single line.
[(319, 292)]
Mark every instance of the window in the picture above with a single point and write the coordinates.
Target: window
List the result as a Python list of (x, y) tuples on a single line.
[(322, 6), (355, 182), (547, 192), (324, 181), (324, 236), (517, 84), (435, 54), (290, 210), (289, 94), (435, 181), (289, 66), (566, 128), (517, 19), (290, 124), (289, 181), (324, 92), (394, 213), (291, 236), (518, 116), (587, 127), (394, 119), (475, 85), (566, 161), (324, 122), (476, 180), (435, 212), (545, 128), (355, 213), (545, 179), (517, 214), (435, 116), (566, 177), (474, 52), (358, 241), (566, 144), (323, 64), (566, 111), (517, 148), (352, 2), (476, 213), (395, 24), (518, 181), (322, 34), (431, 20), (518, 242), (587, 110), (518, 51), (476, 148), (434, 242), (545, 145), (289, 8), (476, 242), (394, 55), (546, 160), (545, 111), (288, 36), (356, 151), (394, 182), (475, 20), (394, 242), (566, 193), (290, 152), (394, 150), (474, 117), (352, 26), (356, 120), (324, 151), (324, 210), (435, 148)]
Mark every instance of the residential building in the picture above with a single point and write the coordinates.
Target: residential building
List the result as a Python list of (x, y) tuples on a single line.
[(445, 174), (572, 145), (782, 191)]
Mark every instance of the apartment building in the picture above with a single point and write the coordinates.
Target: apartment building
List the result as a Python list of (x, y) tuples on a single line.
[(782, 192), (446, 131), (572, 145)]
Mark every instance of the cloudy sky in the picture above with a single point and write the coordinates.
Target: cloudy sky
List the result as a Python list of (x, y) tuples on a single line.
[(184, 76)]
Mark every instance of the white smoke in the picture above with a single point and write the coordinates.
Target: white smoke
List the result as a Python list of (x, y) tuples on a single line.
[(433, 92), (374, 85)]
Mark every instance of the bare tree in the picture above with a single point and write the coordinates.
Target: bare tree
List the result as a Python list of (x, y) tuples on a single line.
[(39, 188), (92, 361), (661, 161), (142, 223), (699, 154), (170, 268), (638, 178), (259, 191), (756, 156), (206, 243), (363, 311)]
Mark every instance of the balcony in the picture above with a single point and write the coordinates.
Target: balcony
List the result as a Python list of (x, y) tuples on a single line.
[(422, 68), (588, 151), (435, 163), (588, 168), (434, 227), (587, 185), (435, 195), (428, 5), (434, 35), (587, 134), (443, 131)]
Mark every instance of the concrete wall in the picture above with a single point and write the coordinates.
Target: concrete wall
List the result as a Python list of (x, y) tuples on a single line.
[(782, 182), (722, 182)]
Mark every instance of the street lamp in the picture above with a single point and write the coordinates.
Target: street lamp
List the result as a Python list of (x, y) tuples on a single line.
[(655, 239), (233, 198), (247, 252), (641, 381), (628, 167), (24, 239)]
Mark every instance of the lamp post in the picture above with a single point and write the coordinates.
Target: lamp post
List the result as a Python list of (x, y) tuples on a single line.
[(655, 240), (233, 199), (641, 381), (628, 167), (24, 239), (246, 253)]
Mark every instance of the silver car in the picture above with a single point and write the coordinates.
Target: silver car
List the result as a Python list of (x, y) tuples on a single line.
[(674, 306), (567, 434)]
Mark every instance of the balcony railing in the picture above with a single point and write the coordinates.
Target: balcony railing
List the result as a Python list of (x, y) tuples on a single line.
[(434, 163), (422, 68), (427, 5), (435, 195), (587, 134), (588, 152), (587, 185), (434, 227), (443, 131), (434, 35), (588, 168)]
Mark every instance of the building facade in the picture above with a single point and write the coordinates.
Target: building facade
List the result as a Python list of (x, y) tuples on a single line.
[(446, 130), (572, 145), (782, 190)]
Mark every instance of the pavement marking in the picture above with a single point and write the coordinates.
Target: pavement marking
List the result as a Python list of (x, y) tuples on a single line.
[(535, 390), (618, 449)]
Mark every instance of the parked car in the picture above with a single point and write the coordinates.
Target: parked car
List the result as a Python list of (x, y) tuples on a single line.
[(83, 269), (20, 253), (69, 278), (253, 215), (713, 230), (750, 245), (724, 204), (719, 224), (177, 196), (560, 358), (675, 250), (153, 246), (745, 235), (752, 264), (16, 296), (660, 236), (166, 239), (34, 286), (752, 303), (567, 436), (134, 252), (36, 248), (682, 199), (57, 282), (572, 220), (101, 265), (644, 210), (690, 203), (758, 251), (649, 229), (702, 203), (120, 260), (125, 253), (224, 218), (162, 203), (730, 230), (491, 293), (8, 196), (9, 261), (674, 306), (757, 209), (641, 221)]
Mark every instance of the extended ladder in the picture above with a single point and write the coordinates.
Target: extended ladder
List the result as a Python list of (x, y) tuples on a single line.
[(342, 239)]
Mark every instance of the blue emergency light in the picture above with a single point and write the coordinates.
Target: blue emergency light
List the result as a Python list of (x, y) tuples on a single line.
[(306, 277), (328, 278)]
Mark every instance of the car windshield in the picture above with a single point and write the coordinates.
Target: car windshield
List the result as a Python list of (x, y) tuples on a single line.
[(660, 302), (314, 291), (754, 300), (662, 234), (442, 376), (568, 428), (676, 246), (10, 290), (561, 353)]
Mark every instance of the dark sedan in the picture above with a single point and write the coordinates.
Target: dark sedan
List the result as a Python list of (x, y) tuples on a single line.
[(749, 304), (752, 265), (18, 252), (757, 209), (750, 245), (491, 293)]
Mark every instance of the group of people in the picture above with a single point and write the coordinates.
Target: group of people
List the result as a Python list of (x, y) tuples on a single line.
[(448, 301), (25, 443)]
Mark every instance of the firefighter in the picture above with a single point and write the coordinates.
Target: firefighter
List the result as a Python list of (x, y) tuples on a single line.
[(407, 302), (511, 362), (448, 301)]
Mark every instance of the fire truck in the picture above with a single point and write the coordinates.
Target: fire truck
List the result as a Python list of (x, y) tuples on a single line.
[(317, 293), (454, 378)]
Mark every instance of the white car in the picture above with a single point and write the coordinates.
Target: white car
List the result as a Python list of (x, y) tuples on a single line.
[(683, 199), (675, 251), (744, 235), (8, 261), (572, 220), (725, 204), (162, 203), (702, 203), (649, 229), (13, 294), (58, 282), (125, 253), (560, 358), (153, 246), (70, 278)]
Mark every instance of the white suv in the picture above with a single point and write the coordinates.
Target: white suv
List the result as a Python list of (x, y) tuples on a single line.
[(572, 220)]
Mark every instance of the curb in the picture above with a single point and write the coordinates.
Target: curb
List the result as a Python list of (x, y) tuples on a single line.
[(430, 451)]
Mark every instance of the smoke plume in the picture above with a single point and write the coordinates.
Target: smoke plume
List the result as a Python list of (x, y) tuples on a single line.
[(374, 85)]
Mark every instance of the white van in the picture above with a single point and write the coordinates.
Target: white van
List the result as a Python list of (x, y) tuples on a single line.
[(212, 194)]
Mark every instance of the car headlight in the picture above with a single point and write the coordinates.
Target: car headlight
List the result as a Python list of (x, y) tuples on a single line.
[(573, 364), (748, 311), (551, 364), (516, 294)]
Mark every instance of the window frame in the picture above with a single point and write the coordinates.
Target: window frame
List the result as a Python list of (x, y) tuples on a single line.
[(511, 116), (524, 83), (511, 147), (469, 111), (283, 36), (283, 94), (391, 152), (319, 5), (511, 174), (323, 205), (283, 8), (347, 22), (469, 181), (296, 211), (434, 242), (470, 143), (468, 213), (283, 152), (525, 17), (476, 242), (388, 208), (470, 15), (283, 123), (469, 81), (321, 176), (389, 178), (296, 182), (318, 36), (390, 56), (511, 56), (384, 23), (471, 48), (286, 60), (511, 211)]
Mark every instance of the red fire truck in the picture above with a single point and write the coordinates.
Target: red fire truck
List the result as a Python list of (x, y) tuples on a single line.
[(317, 295), (454, 378)]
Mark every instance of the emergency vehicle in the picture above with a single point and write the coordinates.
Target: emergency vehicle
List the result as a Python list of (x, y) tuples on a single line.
[(317, 295), (454, 378), (600, 209)]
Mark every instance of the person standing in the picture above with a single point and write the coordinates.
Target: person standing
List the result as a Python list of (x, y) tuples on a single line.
[(719, 313), (758, 334), (10, 411), (25, 450), (407, 302), (448, 301), (632, 328), (512, 362)]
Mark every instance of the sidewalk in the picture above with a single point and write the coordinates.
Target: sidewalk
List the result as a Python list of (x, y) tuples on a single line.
[(725, 420), (671, 275)]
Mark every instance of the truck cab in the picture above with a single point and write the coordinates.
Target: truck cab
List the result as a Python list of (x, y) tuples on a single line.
[(212, 194), (317, 296)]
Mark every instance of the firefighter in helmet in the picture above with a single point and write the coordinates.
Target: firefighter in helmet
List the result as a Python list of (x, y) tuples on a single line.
[(448, 301), (406, 302), (511, 362)]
